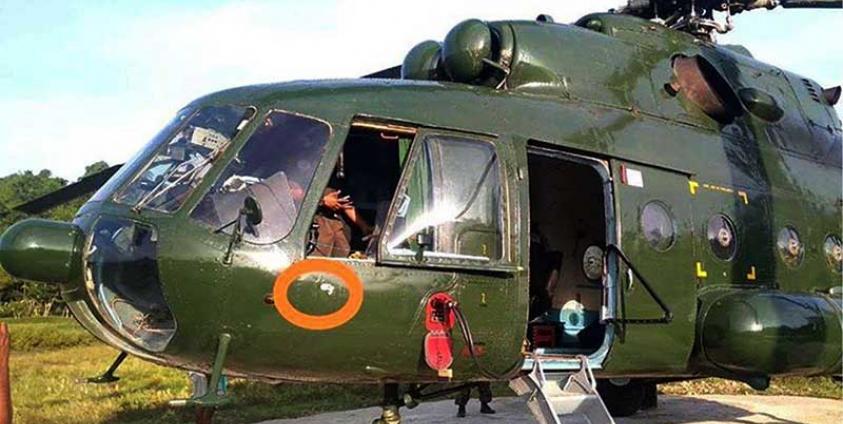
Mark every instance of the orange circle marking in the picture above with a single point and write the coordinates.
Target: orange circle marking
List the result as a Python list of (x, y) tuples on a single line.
[(318, 266)]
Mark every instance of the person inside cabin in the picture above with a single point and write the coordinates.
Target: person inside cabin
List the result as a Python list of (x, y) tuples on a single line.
[(333, 222), (353, 207), (544, 273)]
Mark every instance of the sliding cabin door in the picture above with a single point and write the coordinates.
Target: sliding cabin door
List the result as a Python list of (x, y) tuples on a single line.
[(450, 232), (656, 248)]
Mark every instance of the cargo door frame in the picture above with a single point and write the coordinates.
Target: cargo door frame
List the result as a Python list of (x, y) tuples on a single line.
[(564, 362)]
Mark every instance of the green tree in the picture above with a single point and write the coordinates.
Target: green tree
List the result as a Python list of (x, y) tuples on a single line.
[(94, 168)]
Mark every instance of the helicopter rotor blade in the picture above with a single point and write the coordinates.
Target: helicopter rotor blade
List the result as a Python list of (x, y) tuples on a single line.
[(663, 9), (388, 73), (811, 4), (67, 193)]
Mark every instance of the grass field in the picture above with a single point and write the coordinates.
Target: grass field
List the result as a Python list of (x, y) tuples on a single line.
[(51, 357)]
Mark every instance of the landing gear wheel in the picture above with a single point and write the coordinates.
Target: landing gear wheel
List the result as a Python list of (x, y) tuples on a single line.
[(390, 416), (621, 400), (390, 405)]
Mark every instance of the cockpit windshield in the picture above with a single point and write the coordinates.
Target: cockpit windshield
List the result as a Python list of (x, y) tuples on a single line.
[(275, 167), (185, 158)]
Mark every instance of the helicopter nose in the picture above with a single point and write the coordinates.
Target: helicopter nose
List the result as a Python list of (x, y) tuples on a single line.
[(43, 251)]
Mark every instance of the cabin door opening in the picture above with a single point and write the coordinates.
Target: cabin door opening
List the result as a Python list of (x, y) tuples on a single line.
[(568, 222)]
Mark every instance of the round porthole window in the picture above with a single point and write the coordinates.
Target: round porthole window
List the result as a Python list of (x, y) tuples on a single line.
[(658, 226), (790, 246), (721, 237), (834, 253)]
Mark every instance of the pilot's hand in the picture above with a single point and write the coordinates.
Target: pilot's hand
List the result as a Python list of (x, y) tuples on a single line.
[(335, 203)]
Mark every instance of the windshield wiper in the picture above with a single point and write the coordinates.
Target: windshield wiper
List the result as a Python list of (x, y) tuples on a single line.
[(164, 186)]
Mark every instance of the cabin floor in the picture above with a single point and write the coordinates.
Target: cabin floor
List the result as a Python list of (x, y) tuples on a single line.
[(567, 238)]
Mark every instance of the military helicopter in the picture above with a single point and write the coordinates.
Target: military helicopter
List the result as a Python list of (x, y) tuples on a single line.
[(620, 198)]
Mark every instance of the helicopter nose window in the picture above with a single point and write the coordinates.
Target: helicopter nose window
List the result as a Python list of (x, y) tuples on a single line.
[(121, 266), (275, 167), (180, 163)]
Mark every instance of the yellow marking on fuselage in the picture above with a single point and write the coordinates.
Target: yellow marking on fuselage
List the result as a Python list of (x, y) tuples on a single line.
[(692, 186), (701, 273), (714, 187), (751, 276)]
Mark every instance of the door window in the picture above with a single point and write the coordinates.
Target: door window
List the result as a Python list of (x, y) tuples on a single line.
[(450, 206)]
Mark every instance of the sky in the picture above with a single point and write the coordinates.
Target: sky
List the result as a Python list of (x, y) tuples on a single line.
[(86, 80)]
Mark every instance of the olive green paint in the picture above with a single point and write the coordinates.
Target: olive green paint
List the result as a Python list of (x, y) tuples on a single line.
[(42, 250), (597, 89)]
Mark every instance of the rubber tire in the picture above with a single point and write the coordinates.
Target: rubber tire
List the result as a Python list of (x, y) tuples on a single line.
[(621, 401)]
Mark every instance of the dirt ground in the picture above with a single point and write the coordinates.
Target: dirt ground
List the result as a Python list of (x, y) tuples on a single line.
[(710, 409)]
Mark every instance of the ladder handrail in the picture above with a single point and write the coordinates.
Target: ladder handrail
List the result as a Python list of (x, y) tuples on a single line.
[(589, 372), (577, 393)]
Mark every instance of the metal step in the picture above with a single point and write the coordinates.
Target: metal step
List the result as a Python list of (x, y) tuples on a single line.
[(562, 398)]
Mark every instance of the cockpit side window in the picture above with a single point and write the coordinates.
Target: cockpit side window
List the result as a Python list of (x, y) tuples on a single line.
[(275, 167)]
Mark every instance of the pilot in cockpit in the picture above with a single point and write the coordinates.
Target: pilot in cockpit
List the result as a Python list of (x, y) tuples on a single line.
[(333, 223)]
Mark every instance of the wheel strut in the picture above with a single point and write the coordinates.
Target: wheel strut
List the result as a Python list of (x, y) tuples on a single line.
[(390, 405), (108, 376)]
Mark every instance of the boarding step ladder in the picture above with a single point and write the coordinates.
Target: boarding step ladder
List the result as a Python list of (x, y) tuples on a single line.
[(562, 397)]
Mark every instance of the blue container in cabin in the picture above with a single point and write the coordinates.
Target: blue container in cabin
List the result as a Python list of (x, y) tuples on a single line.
[(573, 322)]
